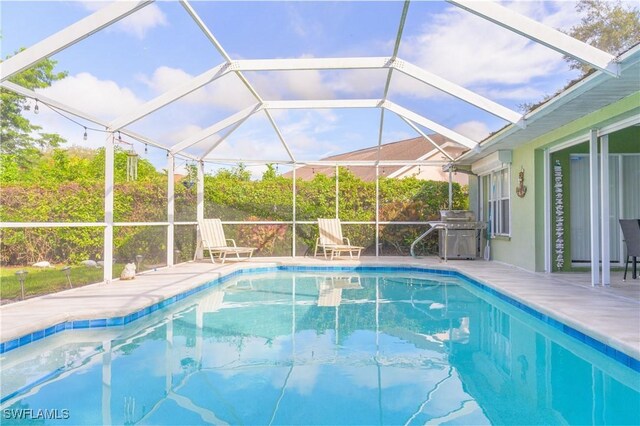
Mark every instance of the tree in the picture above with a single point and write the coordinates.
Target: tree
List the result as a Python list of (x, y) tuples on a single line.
[(270, 173), (21, 140), (607, 25)]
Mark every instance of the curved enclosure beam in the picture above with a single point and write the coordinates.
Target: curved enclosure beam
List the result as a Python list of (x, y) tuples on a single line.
[(458, 91), (80, 114), (438, 128), (398, 64), (540, 33), (205, 29), (225, 136), (374, 103), (69, 36), (324, 104), (220, 125), (279, 133), (170, 96), (387, 84), (305, 64), (424, 135)]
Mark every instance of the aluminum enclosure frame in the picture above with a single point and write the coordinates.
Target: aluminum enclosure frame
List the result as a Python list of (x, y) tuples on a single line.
[(105, 17)]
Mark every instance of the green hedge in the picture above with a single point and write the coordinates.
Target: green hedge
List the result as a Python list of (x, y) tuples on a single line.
[(68, 186)]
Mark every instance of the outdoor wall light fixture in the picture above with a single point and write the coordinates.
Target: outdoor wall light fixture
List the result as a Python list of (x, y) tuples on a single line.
[(67, 273), (22, 275)]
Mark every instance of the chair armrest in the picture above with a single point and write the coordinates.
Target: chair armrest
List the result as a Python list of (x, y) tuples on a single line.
[(232, 241), (347, 240)]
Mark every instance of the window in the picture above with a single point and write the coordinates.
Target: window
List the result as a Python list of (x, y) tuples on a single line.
[(496, 190)]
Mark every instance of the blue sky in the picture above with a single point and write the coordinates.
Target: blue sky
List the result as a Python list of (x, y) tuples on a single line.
[(150, 52)]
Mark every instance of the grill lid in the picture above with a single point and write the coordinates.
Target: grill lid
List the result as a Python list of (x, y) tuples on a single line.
[(457, 216)]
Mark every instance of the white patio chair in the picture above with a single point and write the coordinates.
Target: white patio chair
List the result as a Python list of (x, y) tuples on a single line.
[(332, 242), (214, 241)]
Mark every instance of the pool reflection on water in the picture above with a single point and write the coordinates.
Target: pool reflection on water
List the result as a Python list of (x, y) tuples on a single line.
[(324, 348)]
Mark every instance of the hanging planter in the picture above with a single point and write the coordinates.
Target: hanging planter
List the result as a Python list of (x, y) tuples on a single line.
[(191, 176)]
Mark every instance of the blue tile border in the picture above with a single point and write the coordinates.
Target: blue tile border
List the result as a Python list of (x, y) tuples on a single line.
[(601, 347)]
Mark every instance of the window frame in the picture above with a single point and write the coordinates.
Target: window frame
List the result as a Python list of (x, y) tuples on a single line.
[(492, 200)]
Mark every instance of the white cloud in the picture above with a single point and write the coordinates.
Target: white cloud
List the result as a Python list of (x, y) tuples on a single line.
[(305, 84), (362, 83), (104, 99), (512, 93), (404, 85), (314, 84), (94, 5), (183, 133), (300, 26), (449, 45), (138, 23), (254, 140), (228, 92), (304, 132), (556, 14), (475, 130)]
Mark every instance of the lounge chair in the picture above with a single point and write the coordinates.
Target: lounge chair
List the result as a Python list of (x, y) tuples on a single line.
[(328, 295), (332, 242), (631, 234), (214, 241)]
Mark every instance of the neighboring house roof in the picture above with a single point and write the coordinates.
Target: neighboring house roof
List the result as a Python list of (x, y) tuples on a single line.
[(409, 149), (591, 94)]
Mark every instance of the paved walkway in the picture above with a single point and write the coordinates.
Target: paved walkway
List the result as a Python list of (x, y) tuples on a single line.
[(611, 315)]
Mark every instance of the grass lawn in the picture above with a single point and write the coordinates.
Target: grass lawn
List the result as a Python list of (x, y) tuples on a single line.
[(45, 280)]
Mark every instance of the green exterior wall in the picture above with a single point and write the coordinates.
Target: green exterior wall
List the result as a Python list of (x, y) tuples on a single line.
[(525, 247)]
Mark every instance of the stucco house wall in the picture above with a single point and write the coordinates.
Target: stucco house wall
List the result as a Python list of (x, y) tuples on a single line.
[(525, 247)]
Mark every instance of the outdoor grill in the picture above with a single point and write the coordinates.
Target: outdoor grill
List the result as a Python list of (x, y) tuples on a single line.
[(460, 234)]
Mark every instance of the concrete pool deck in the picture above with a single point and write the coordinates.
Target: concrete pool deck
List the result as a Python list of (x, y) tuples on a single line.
[(611, 314)]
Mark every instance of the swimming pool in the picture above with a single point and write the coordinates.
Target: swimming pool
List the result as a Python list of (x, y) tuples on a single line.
[(325, 347)]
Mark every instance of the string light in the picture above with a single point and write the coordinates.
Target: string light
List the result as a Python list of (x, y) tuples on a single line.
[(146, 149), (36, 109), (119, 137), (85, 134)]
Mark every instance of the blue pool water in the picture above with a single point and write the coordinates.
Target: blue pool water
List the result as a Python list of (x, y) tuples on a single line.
[(322, 348)]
